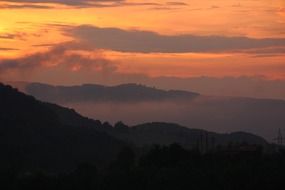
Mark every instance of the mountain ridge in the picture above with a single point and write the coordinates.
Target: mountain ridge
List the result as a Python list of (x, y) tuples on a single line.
[(93, 92), (168, 133)]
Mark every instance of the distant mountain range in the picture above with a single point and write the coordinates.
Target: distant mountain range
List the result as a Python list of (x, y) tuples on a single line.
[(35, 134), (99, 93), (135, 104)]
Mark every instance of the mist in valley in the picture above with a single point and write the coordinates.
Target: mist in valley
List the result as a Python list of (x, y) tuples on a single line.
[(218, 114)]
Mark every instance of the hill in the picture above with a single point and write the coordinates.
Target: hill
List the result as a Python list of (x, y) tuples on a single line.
[(34, 136), (168, 133)]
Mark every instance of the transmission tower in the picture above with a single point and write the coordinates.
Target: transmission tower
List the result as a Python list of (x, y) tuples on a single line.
[(279, 139)]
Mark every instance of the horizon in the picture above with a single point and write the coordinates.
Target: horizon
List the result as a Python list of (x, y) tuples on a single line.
[(243, 86)]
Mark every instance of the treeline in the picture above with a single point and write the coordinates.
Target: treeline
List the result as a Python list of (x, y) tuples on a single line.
[(162, 167)]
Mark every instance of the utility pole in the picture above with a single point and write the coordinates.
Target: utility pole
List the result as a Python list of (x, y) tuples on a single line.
[(213, 143), (201, 143), (207, 141)]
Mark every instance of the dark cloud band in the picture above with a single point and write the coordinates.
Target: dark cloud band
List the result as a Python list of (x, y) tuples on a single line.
[(8, 49), (149, 42), (65, 2), (38, 4)]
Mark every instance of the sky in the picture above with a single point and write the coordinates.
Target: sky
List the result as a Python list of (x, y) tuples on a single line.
[(108, 41)]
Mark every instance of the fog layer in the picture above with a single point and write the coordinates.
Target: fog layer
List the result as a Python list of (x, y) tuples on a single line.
[(219, 114)]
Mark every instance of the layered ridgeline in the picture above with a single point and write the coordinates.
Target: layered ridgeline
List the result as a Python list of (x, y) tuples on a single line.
[(134, 104), (35, 134), (159, 133), (167, 133)]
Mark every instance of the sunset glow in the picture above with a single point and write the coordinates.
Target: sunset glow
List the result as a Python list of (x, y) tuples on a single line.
[(55, 29)]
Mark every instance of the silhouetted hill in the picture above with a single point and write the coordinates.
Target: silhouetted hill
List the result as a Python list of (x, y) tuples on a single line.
[(33, 135), (167, 133), (157, 132), (99, 93)]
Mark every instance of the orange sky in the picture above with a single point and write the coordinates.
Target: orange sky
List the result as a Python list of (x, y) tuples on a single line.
[(30, 31)]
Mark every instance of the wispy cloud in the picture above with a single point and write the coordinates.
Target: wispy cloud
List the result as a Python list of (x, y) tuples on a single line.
[(57, 56), (7, 36), (17, 35), (44, 4), (7, 49), (24, 6), (177, 3), (66, 2)]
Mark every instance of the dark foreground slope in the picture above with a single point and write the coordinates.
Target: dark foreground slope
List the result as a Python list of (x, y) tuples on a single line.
[(33, 136)]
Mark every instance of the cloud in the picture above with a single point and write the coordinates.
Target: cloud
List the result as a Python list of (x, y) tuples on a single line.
[(214, 7), (23, 6), (45, 45), (266, 52), (7, 49), (44, 4), (65, 2), (150, 42), (9, 36), (47, 4), (177, 3), (58, 56)]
